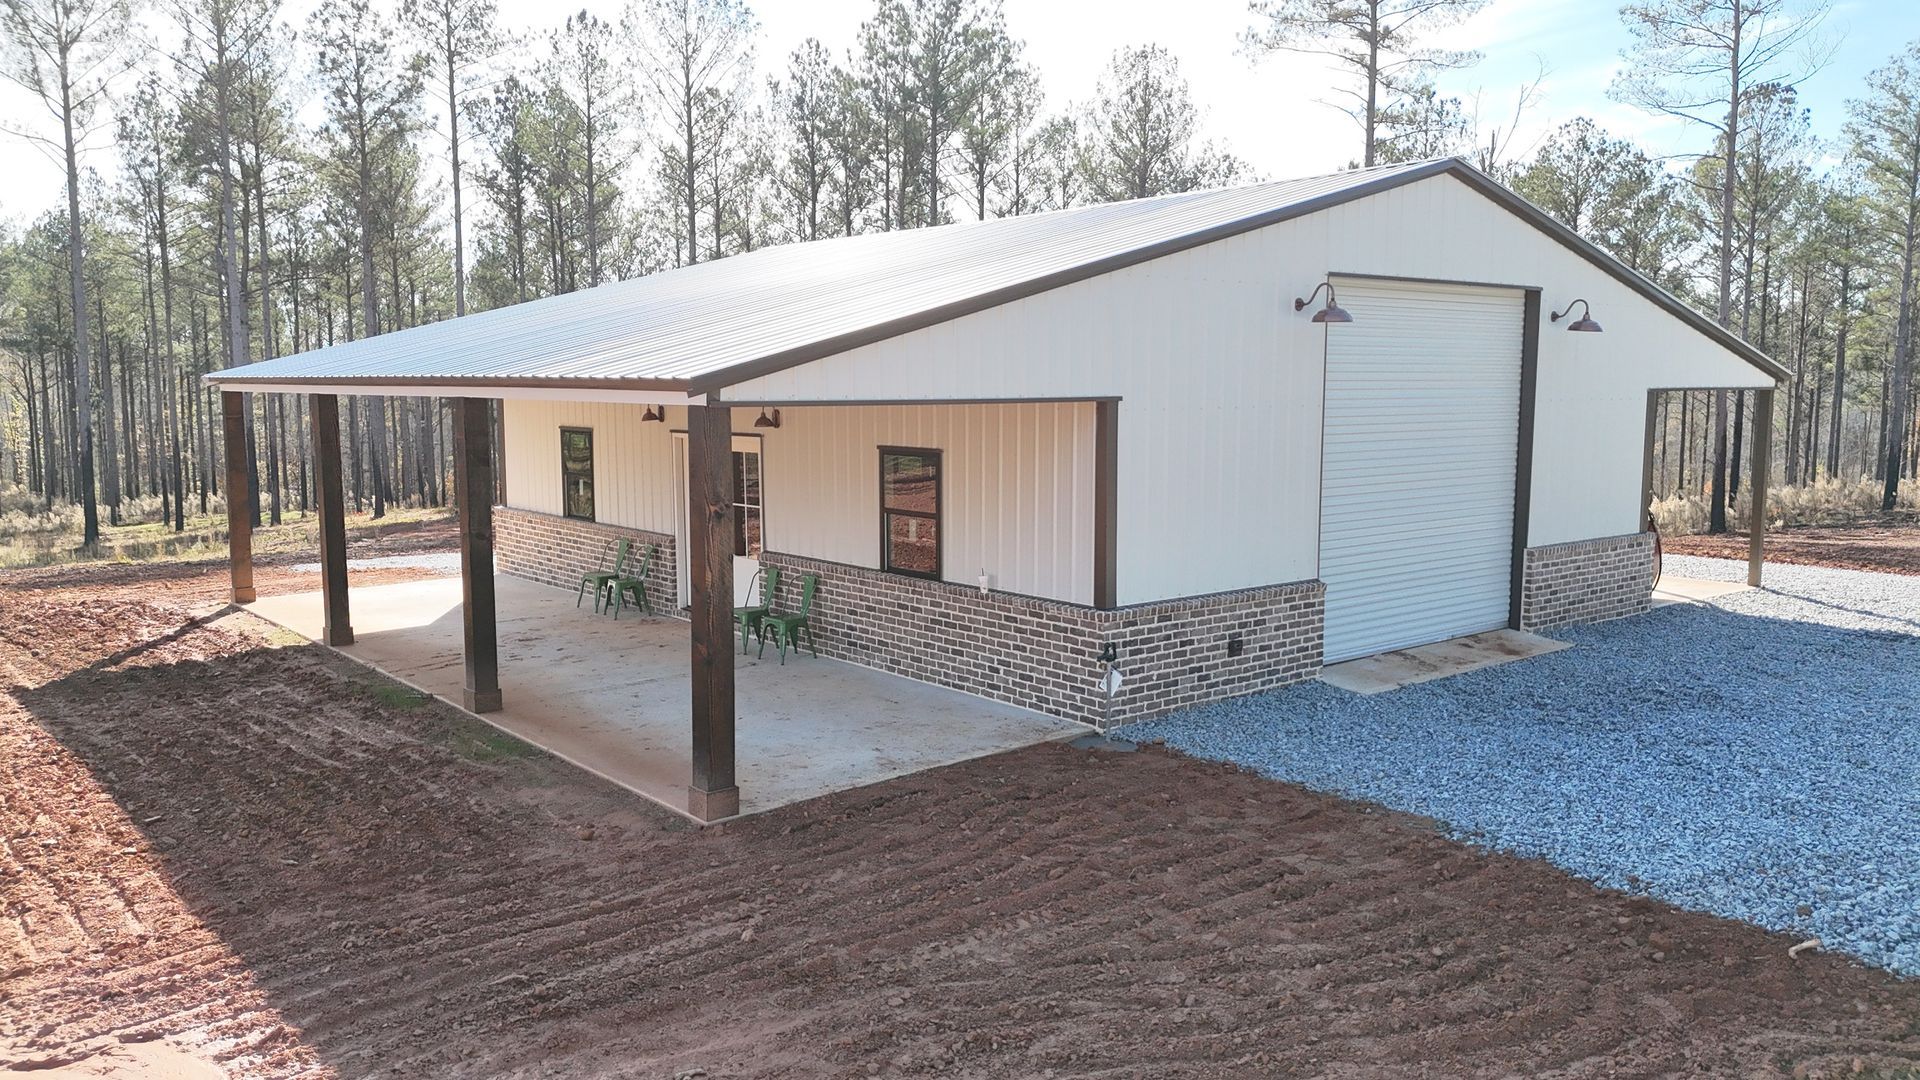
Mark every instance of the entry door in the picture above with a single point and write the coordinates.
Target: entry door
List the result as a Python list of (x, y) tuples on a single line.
[(749, 513), (1420, 442)]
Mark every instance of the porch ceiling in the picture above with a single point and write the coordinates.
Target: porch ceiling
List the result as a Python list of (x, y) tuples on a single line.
[(611, 695)]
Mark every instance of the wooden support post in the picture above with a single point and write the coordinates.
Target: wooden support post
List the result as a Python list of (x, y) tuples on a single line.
[(1762, 464), (1106, 494), (473, 489), (712, 795), (233, 416), (324, 411)]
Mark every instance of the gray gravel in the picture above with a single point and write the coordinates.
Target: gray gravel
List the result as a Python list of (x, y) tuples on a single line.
[(1849, 599), (1758, 758)]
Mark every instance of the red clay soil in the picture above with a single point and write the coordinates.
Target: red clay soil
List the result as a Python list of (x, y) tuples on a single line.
[(266, 858), (1893, 549)]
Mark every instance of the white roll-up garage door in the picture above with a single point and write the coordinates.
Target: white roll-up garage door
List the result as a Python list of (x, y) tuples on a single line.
[(1416, 496)]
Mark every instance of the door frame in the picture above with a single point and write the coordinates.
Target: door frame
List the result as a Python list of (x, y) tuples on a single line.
[(753, 444), (1523, 451)]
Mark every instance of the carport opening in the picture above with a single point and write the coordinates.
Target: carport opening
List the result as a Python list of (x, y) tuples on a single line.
[(1683, 446), (1709, 463)]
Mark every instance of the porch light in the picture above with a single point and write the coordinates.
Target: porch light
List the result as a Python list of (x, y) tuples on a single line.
[(1582, 325), (1332, 313), (765, 421), (654, 415)]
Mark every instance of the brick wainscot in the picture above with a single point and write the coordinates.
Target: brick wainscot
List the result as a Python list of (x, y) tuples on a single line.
[(1586, 581), (558, 550), (1039, 654), (1045, 655)]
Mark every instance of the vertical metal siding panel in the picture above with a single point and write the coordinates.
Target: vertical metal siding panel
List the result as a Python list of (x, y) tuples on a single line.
[(1060, 468), (1018, 488), (533, 486), (1044, 468), (1006, 456), (981, 429)]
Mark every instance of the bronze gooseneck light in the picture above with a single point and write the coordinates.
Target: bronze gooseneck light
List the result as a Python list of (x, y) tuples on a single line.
[(1582, 325), (1332, 313)]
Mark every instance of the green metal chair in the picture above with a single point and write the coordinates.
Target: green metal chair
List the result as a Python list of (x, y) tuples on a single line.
[(599, 579), (635, 584), (768, 580), (786, 628)]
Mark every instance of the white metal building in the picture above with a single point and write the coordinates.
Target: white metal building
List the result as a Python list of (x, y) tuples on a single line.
[(1010, 448)]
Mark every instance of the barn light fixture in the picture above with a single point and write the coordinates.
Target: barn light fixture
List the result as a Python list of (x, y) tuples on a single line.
[(1332, 313), (765, 421), (654, 415), (1582, 325)]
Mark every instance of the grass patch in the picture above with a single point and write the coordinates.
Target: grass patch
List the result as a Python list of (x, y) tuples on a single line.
[(472, 739), (487, 744), (53, 537), (395, 695), (282, 638)]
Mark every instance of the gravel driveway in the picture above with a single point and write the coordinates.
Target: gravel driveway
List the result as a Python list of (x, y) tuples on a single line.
[(1758, 759)]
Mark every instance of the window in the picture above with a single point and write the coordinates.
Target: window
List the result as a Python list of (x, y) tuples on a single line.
[(747, 513), (576, 472), (910, 511)]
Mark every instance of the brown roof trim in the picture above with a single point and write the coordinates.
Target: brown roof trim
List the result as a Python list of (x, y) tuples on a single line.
[(919, 320), (461, 381), (1465, 172), (1620, 271), (1083, 399)]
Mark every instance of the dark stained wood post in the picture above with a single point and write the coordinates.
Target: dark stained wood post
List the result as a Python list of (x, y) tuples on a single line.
[(473, 490), (713, 794), (1757, 483), (324, 411), (233, 416), (1106, 495)]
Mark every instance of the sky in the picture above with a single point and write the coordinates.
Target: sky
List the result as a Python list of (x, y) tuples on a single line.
[(1269, 111)]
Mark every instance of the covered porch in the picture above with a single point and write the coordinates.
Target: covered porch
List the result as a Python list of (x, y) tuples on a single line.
[(621, 697), (610, 695)]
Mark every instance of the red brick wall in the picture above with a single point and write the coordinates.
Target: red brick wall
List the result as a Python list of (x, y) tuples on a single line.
[(1586, 581), (558, 550)]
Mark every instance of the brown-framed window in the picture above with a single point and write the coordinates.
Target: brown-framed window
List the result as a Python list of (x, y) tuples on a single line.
[(576, 472), (910, 511)]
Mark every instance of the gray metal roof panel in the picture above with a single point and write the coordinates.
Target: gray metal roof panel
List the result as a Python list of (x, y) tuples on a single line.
[(681, 324), (705, 326)]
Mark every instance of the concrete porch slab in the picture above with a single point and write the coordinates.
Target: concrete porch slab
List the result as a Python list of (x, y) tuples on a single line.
[(1390, 671), (612, 696), (1679, 590)]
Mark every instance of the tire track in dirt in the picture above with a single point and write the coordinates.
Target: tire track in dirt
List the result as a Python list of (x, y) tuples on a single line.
[(331, 883)]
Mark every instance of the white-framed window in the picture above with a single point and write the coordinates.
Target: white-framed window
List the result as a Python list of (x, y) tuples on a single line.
[(749, 509)]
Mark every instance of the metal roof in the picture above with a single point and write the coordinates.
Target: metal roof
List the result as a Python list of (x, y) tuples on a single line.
[(700, 328)]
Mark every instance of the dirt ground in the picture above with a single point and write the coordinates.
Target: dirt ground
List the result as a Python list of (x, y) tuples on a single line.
[(205, 580), (1891, 549), (218, 846)]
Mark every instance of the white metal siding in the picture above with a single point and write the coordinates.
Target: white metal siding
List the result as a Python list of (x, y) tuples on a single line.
[(1220, 379), (1017, 486), (1422, 421)]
